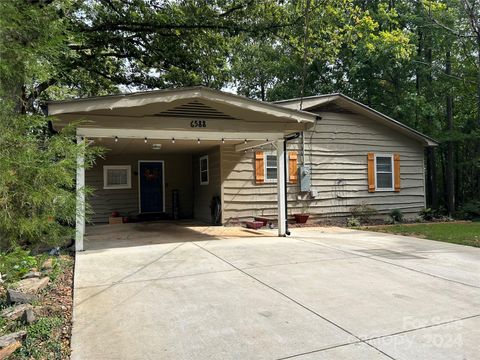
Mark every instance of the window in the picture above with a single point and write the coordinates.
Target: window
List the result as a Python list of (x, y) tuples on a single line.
[(384, 172), (204, 170), (270, 164), (270, 167), (117, 177)]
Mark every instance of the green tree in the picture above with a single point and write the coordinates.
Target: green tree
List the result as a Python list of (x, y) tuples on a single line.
[(37, 181)]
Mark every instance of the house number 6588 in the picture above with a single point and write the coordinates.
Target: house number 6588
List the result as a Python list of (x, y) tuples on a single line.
[(198, 124)]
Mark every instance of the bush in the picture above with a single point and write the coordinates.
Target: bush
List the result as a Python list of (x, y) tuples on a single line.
[(396, 215), (470, 210), (353, 222), (387, 220), (16, 263), (363, 212), (37, 181), (427, 214)]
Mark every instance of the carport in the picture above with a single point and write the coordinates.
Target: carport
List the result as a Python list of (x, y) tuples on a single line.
[(186, 118)]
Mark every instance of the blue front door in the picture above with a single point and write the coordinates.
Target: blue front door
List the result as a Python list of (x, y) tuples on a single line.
[(151, 187)]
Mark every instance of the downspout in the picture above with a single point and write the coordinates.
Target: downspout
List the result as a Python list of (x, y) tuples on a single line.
[(286, 139)]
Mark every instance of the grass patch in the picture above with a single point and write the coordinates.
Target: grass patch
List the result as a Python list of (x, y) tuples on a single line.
[(456, 233), (41, 341)]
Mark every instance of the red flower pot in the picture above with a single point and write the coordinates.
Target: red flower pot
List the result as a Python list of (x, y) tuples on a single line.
[(254, 224), (301, 218), (262, 220)]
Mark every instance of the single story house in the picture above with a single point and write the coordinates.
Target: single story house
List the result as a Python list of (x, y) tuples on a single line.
[(201, 153)]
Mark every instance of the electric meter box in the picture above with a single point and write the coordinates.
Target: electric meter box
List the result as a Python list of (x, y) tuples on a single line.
[(305, 178)]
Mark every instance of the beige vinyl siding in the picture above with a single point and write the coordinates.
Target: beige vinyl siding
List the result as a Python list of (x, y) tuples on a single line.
[(203, 194), (336, 148), (242, 197), (178, 175)]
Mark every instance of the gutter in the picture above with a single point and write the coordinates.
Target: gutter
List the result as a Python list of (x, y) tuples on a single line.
[(286, 139)]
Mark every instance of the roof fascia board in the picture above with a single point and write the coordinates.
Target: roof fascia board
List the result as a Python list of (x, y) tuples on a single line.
[(165, 96)]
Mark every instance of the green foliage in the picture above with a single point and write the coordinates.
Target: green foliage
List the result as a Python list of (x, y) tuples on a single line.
[(16, 263), (470, 210), (396, 215), (42, 340), (37, 181), (41, 330), (363, 212), (353, 222), (464, 233), (427, 214)]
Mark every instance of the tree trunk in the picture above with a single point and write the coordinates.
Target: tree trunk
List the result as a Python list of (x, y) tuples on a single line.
[(432, 199), (450, 156), (432, 190)]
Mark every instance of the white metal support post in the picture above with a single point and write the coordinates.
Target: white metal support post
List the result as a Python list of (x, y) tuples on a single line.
[(281, 188), (80, 206)]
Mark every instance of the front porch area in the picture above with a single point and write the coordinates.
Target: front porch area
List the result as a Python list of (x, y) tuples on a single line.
[(153, 179), (105, 236)]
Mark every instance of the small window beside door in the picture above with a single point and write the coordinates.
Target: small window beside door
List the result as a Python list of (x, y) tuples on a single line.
[(204, 170), (117, 177)]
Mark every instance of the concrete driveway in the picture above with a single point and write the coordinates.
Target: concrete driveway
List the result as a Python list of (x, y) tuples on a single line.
[(323, 293)]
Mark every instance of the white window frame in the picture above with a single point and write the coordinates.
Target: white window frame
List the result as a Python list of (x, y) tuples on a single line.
[(265, 166), (128, 168), (376, 173), (207, 170)]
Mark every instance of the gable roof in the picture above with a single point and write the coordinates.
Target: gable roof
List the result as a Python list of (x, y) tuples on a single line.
[(311, 103), (160, 99)]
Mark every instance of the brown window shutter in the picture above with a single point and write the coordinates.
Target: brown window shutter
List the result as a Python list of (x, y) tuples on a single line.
[(292, 167), (396, 171), (371, 172), (259, 167)]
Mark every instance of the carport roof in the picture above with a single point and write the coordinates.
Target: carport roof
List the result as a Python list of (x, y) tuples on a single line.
[(149, 102)]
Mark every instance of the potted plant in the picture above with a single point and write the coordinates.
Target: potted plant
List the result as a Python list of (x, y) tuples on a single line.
[(301, 218), (262, 219)]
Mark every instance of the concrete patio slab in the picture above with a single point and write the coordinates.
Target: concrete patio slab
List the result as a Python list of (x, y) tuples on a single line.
[(223, 315), (358, 351), (450, 261), (319, 294), (454, 341), (371, 298), (247, 253), (144, 263)]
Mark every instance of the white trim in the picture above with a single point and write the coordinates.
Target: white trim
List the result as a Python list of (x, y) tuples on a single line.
[(265, 167), (281, 204), (128, 168), (376, 173), (265, 154), (204, 157), (187, 134), (80, 201), (139, 187)]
